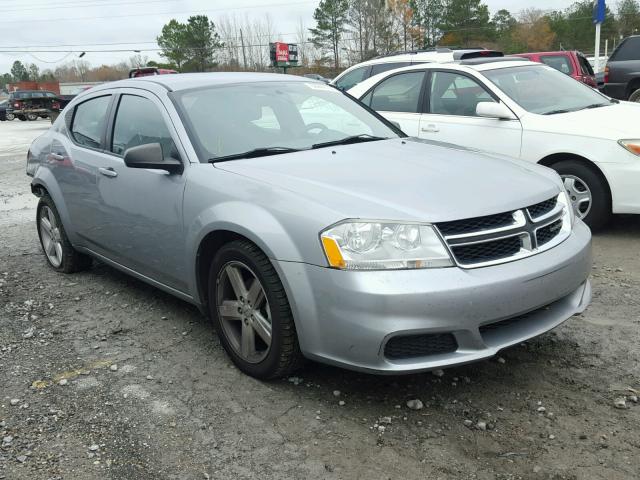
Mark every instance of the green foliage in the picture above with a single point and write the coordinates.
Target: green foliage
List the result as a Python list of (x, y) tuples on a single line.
[(428, 16), (466, 21), (574, 27), (331, 19), (628, 15), (190, 46), (19, 72)]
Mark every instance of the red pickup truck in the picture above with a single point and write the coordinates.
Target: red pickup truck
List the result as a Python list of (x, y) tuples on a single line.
[(571, 62)]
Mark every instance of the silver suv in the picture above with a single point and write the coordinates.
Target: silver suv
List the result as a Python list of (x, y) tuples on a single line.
[(305, 225)]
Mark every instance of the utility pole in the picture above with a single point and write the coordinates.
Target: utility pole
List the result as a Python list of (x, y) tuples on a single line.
[(244, 53)]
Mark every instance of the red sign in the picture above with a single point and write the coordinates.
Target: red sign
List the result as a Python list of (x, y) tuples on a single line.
[(282, 52)]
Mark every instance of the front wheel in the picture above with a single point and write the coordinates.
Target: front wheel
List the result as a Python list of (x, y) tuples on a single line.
[(56, 246), (32, 117), (587, 191), (251, 313), (10, 117), (635, 96), (22, 118)]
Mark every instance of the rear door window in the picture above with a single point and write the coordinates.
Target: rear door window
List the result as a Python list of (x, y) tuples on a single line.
[(398, 93), (89, 121), (139, 122), (352, 78), (629, 49), (559, 62)]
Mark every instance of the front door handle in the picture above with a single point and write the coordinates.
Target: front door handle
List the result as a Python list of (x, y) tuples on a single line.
[(56, 156), (431, 128), (108, 172)]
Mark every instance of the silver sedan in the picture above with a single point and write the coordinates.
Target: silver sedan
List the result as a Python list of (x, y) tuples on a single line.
[(305, 225)]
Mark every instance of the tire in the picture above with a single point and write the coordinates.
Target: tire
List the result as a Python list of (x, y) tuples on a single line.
[(635, 96), (270, 308), (67, 259), (32, 117), (599, 211), (10, 117), (22, 118)]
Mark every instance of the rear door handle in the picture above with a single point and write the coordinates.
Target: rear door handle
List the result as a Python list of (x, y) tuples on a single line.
[(431, 128), (108, 172)]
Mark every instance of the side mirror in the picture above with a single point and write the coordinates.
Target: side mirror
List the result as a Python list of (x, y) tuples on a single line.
[(395, 124), (494, 110), (151, 156)]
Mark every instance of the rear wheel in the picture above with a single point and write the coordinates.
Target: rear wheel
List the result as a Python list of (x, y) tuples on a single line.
[(32, 116), (251, 313), (587, 191), (56, 246), (635, 96), (22, 118)]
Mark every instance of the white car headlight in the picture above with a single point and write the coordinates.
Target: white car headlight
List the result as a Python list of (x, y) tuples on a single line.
[(632, 146), (367, 245)]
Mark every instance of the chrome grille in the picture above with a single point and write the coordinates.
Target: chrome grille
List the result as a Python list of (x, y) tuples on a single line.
[(507, 236)]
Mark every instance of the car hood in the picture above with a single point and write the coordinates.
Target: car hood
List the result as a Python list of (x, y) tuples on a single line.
[(613, 122), (404, 179)]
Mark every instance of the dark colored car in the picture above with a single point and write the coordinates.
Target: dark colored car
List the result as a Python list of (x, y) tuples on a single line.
[(31, 104), (622, 74), (571, 62), (3, 110), (149, 71)]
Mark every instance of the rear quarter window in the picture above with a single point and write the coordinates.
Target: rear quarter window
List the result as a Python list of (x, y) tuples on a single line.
[(629, 49)]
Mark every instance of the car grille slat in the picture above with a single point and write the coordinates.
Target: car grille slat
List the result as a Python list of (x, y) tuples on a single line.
[(546, 234), (505, 236), (542, 208), (489, 222), (421, 345), (487, 251)]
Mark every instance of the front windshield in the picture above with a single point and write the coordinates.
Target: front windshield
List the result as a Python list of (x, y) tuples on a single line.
[(544, 90), (232, 119)]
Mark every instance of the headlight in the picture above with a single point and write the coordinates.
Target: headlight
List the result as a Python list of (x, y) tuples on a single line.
[(362, 245), (570, 213), (632, 146)]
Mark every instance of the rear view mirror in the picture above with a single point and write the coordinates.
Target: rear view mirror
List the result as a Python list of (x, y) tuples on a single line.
[(494, 110), (151, 156)]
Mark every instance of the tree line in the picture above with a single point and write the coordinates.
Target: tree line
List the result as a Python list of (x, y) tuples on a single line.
[(350, 31)]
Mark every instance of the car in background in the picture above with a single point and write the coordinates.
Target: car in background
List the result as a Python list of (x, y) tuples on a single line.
[(569, 62), (31, 104), (622, 73), (3, 110), (302, 234), (526, 110), (149, 71), (317, 76), (360, 72)]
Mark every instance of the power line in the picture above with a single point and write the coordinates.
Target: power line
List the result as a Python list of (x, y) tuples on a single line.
[(85, 5), (147, 14)]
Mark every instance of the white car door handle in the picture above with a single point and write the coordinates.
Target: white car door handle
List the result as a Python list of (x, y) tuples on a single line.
[(431, 128), (108, 172)]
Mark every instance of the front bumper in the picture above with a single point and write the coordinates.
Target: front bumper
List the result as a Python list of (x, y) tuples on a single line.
[(346, 318)]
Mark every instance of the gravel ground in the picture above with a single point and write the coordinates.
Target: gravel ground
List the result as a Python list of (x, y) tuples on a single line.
[(104, 377)]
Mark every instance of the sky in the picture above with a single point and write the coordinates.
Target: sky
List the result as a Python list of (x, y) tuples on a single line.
[(72, 26)]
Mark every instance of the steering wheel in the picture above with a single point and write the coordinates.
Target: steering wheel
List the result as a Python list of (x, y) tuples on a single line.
[(316, 126)]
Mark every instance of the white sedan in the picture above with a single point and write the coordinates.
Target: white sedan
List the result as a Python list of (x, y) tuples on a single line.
[(524, 110)]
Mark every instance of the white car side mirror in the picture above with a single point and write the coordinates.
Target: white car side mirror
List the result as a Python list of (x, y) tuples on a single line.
[(494, 110)]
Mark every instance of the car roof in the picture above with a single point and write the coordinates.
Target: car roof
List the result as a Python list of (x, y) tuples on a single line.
[(185, 81)]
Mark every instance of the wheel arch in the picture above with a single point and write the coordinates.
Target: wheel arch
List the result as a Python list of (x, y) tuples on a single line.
[(633, 85), (552, 159)]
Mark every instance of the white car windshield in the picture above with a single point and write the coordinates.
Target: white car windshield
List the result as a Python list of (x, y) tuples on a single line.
[(231, 119), (544, 90)]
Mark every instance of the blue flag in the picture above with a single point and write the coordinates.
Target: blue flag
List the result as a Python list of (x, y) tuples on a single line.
[(599, 11)]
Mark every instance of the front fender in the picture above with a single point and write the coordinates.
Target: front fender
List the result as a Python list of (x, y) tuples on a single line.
[(252, 221)]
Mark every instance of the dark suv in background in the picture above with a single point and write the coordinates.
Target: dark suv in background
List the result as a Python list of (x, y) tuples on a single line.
[(622, 74)]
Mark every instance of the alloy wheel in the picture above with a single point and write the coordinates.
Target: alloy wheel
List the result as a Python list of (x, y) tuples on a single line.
[(579, 194), (50, 236), (243, 310)]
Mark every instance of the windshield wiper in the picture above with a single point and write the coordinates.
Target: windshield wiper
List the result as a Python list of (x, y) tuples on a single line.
[(554, 112), (347, 140), (595, 105), (256, 152)]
